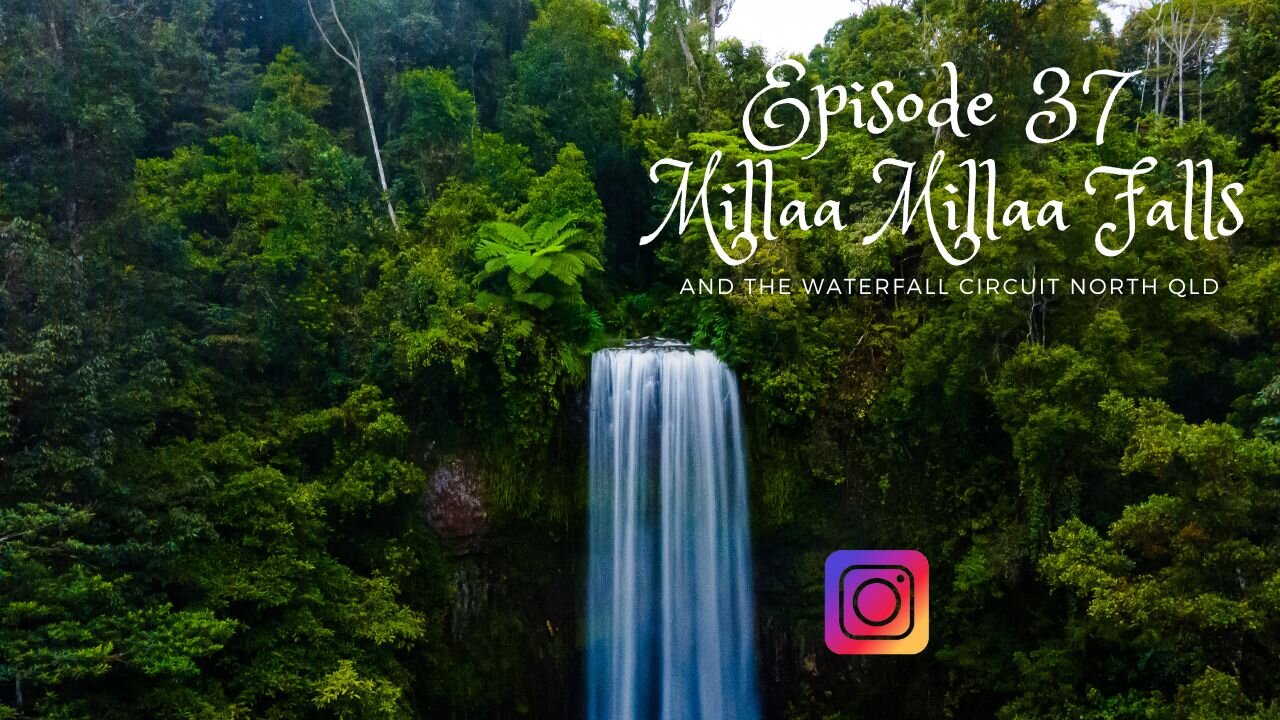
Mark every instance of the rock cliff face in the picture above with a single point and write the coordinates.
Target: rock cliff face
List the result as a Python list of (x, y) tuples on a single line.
[(454, 503), (510, 622)]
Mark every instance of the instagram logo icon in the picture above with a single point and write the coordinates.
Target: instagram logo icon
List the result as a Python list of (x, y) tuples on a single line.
[(877, 602)]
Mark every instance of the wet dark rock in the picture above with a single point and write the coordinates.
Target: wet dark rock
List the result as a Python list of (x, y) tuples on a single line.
[(454, 502), (656, 343)]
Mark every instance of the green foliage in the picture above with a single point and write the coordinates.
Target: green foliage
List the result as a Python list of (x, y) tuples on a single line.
[(226, 384), (542, 262), (289, 80), (1187, 578), (350, 696), (572, 44), (567, 188), (436, 123)]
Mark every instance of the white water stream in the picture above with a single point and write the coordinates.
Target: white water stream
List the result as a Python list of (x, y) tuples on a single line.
[(670, 628)]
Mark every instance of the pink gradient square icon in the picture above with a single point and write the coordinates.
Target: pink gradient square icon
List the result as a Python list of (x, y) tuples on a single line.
[(877, 602)]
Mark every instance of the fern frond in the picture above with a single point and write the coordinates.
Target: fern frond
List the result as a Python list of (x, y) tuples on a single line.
[(519, 282), (566, 268), (489, 249), (514, 235), (571, 237), (539, 267), (552, 228), (521, 329), (587, 259), (540, 300), (521, 262), (486, 300)]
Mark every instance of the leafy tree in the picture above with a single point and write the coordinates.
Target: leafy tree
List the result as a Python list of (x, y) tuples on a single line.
[(572, 44), (436, 122), (1186, 579)]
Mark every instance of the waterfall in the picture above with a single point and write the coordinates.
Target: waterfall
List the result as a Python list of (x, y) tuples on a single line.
[(670, 629)]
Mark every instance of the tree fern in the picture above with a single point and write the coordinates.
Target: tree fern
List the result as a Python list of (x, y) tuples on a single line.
[(543, 262)]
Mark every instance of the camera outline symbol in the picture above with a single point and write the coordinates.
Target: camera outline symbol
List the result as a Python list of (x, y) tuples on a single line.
[(904, 576)]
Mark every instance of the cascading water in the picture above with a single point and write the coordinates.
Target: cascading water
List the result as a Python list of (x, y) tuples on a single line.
[(670, 632)]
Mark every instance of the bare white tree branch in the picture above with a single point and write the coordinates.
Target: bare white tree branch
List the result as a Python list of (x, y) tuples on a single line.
[(352, 58)]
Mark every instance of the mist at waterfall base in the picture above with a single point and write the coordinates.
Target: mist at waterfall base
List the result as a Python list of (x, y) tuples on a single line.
[(670, 628)]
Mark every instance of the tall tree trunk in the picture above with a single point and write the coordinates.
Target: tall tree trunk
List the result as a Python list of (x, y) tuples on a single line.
[(713, 14), (1200, 88), (1159, 104), (1157, 37), (72, 205), (373, 138), (641, 31), (352, 58), (688, 55), (1181, 84), (1146, 68)]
